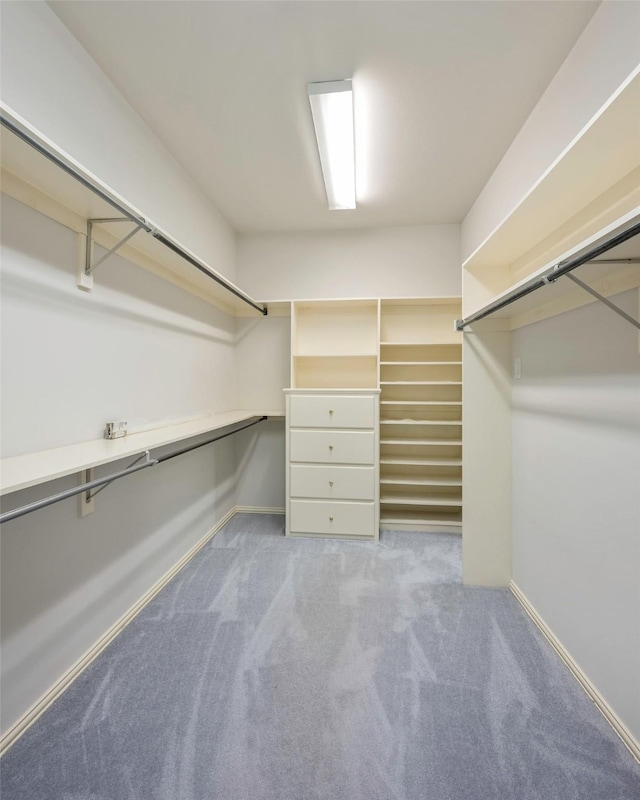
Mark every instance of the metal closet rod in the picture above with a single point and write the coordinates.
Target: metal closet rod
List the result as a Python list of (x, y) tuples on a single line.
[(71, 170), (550, 276), (114, 476)]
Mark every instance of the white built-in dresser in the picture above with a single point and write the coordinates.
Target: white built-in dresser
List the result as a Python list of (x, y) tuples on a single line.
[(374, 417), (332, 457)]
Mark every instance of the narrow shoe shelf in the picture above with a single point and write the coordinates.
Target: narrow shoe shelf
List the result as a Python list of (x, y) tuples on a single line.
[(427, 500), (405, 481)]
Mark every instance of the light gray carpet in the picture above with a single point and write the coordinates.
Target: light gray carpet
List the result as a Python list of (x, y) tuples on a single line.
[(279, 669)]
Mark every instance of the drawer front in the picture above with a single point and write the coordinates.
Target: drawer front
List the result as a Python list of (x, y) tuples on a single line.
[(337, 483), (337, 519), (331, 411), (332, 447)]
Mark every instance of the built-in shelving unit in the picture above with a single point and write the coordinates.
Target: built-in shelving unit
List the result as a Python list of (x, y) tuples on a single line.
[(334, 344), (420, 414), (589, 192)]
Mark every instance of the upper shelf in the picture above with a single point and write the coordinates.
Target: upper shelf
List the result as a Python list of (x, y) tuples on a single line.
[(611, 268), (36, 172), (588, 196), (593, 183), (31, 469)]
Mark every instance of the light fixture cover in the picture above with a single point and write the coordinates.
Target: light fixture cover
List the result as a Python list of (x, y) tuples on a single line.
[(332, 111)]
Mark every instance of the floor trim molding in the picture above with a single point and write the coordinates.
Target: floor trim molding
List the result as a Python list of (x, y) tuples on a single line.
[(40, 706), (601, 704), (258, 510)]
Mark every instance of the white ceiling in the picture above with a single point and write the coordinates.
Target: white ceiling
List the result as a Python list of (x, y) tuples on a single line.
[(441, 89)]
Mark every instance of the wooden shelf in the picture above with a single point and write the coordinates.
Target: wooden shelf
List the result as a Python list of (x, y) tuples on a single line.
[(335, 355), (402, 516), (419, 363), (31, 469), (418, 403), (432, 500), (420, 383), (334, 344), (420, 481), (33, 179), (423, 442), (591, 189), (417, 461), (421, 422)]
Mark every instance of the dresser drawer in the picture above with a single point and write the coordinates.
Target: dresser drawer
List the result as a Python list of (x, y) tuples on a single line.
[(332, 447), (332, 483), (332, 411), (337, 519)]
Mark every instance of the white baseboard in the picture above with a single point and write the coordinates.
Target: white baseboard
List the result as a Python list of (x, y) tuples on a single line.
[(601, 704), (258, 510), (41, 705)]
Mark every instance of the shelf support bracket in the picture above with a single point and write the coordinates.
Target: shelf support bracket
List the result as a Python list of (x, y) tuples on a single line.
[(88, 266), (603, 299), (89, 496)]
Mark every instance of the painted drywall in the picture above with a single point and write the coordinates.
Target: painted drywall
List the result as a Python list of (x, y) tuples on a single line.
[(601, 60), (51, 81), (263, 348), (136, 348), (260, 466), (576, 491), (263, 362), (413, 261)]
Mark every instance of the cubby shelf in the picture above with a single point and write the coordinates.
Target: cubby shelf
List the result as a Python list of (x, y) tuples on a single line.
[(417, 517), (420, 383), (420, 422), (410, 403), (420, 481), (417, 461), (426, 500), (421, 363)]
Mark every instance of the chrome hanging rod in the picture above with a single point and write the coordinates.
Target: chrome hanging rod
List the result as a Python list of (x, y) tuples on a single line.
[(67, 166), (149, 461), (550, 276)]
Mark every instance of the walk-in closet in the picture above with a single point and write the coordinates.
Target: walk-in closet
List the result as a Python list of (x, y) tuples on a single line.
[(320, 407)]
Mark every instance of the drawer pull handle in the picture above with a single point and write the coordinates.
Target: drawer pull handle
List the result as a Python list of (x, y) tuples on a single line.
[(330, 447), (330, 519), (330, 412), (330, 483)]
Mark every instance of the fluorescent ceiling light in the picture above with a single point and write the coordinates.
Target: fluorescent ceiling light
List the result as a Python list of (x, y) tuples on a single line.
[(332, 111)]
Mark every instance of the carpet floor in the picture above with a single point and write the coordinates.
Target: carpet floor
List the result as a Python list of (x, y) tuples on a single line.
[(297, 669)]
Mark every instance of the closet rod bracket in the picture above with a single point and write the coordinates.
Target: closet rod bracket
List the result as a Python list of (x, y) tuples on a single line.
[(603, 299), (88, 266)]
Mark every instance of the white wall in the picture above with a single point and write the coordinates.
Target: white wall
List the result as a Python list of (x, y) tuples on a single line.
[(136, 348), (263, 348), (576, 491), (603, 57), (260, 466), (412, 261), (51, 81)]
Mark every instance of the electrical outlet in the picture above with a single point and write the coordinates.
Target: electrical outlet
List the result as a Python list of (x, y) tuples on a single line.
[(517, 368), (115, 430)]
